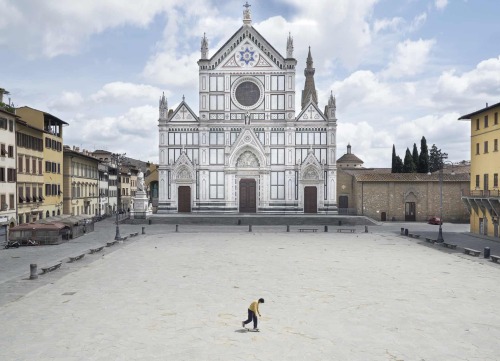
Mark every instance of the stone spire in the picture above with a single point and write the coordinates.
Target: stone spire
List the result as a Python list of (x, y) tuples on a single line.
[(204, 47), (289, 46), (309, 91), (331, 108), (163, 107), (247, 14)]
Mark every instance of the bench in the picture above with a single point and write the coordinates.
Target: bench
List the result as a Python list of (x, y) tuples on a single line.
[(51, 268), (494, 258), (134, 234), (430, 240), (352, 230), (95, 250), (308, 230), (112, 243), (449, 245), (472, 252), (123, 238), (73, 259)]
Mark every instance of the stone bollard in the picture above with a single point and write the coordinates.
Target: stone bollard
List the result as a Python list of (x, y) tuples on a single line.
[(143, 230), (288, 228), (340, 222), (239, 222), (249, 228), (150, 221), (406, 231), (177, 228), (366, 229), (486, 252), (326, 228), (33, 273), (402, 231)]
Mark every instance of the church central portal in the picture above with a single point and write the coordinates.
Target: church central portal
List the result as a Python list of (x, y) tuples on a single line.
[(248, 199)]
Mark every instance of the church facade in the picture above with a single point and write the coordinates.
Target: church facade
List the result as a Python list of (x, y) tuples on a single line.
[(248, 150)]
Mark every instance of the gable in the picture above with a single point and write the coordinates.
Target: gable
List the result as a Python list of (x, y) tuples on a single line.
[(247, 140), (311, 113), (183, 113), (247, 49)]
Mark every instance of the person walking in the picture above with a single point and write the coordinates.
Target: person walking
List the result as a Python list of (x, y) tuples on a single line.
[(253, 311)]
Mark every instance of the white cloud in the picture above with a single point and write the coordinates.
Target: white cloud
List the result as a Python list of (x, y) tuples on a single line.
[(417, 22), (410, 58), (121, 91), (388, 24), (364, 88), (67, 100), (60, 27), (173, 70), (478, 86), (440, 4), (133, 132)]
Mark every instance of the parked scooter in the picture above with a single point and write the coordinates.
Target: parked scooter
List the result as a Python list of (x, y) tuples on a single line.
[(12, 244)]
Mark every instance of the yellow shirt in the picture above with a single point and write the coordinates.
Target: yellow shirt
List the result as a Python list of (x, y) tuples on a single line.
[(255, 307)]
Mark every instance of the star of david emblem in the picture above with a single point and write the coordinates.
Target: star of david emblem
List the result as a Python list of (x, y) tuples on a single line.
[(247, 56)]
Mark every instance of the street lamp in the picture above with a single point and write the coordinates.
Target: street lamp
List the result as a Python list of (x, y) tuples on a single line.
[(118, 160), (440, 238)]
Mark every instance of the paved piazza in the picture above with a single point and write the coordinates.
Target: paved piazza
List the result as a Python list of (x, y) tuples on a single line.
[(329, 296)]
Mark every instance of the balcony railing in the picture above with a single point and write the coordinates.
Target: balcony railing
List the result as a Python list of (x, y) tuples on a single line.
[(489, 193)]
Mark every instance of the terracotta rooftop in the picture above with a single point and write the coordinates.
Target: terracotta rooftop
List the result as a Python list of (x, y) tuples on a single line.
[(363, 175)]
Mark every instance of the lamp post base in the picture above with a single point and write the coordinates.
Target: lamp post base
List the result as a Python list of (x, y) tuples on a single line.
[(117, 235), (440, 238)]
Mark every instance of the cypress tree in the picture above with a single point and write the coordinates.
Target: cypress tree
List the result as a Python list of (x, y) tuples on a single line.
[(393, 163), (408, 165), (414, 155), (423, 158), (399, 165)]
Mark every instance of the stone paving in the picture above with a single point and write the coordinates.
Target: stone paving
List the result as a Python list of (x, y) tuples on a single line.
[(329, 296)]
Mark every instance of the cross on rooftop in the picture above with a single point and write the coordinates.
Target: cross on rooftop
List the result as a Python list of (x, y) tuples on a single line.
[(310, 112), (183, 111), (247, 5)]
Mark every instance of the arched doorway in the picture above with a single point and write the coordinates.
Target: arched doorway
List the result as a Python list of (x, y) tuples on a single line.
[(248, 199)]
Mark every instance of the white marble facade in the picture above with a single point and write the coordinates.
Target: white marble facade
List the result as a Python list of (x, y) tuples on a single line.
[(248, 150)]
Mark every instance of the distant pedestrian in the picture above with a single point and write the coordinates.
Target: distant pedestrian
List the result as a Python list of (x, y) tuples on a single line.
[(253, 311)]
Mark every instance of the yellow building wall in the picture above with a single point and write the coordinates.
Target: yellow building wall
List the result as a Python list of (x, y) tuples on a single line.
[(484, 163), (53, 154), (29, 211)]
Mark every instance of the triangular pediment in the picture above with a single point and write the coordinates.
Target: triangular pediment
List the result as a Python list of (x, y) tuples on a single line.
[(247, 141), (310, 168), (183, 113), (311, 113), (247, 49), (183, 167)]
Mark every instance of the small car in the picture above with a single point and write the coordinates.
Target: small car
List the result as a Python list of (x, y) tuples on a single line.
[(435, 220)]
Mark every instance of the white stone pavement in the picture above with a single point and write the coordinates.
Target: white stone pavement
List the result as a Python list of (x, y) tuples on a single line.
[(329, 296)]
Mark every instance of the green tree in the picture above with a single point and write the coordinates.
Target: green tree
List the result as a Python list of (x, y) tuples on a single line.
[(414, 155), (393, 163), (423, 158), (408, 165), (436, 158), (397, 163)]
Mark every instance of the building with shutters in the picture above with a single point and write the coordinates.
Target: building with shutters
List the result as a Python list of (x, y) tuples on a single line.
[(483, 197), (248, 150)]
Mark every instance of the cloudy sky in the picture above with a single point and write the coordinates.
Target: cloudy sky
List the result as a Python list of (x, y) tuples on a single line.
[(400, 69)]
